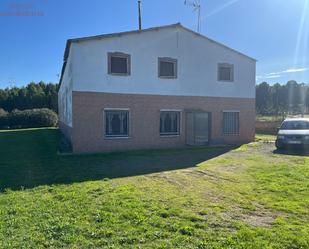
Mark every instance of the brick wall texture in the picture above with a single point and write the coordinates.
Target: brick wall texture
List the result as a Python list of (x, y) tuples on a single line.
[(88, 134)]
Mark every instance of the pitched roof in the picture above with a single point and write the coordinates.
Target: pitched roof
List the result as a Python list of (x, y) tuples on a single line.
[(69, 41)]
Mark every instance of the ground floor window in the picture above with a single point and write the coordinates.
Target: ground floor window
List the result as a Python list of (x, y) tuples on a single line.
[(116, 123), (169, 123), (230, 123)]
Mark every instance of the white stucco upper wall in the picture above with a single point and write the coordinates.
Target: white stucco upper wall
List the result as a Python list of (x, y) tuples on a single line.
[(65, 94), (197, 57)]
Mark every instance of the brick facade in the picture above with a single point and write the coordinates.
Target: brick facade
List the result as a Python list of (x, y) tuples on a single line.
[(87, 134)]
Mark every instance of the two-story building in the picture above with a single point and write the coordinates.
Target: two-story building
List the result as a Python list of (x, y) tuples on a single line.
[(155, 88)]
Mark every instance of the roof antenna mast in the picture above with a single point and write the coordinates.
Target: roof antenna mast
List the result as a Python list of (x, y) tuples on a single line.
[(139, 15), (196, 4)]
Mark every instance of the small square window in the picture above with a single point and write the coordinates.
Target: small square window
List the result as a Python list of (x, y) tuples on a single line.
[(119, 63), (169, 123), (231, 123), (116, 123), (225, 72), (167, 68)]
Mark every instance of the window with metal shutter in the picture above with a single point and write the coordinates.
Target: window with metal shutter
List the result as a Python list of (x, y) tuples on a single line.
[(230, 123)]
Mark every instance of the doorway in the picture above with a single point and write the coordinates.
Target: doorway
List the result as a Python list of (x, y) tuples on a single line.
[(197, 128)]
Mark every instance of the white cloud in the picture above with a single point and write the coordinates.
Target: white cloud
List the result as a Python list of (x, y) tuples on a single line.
[(296, 70), (275, 75), (272, 76), (291, 70), (220, 8), (260, 77)]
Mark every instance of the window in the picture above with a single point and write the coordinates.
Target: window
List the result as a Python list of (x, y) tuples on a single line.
[(230, 123), (167, 68), (116, 123), (225, 72), (169, 123), (295, 125), (119, 63)]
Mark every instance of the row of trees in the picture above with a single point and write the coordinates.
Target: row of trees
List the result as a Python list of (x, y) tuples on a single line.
[(291, 98), (275, 99), (34, 95)]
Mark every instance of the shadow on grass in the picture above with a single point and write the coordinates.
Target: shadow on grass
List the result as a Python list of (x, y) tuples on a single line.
[(29, 158)]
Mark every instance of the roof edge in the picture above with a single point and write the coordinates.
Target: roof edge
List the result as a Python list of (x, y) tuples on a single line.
[(69, 41), (124, 33), (218, 43)]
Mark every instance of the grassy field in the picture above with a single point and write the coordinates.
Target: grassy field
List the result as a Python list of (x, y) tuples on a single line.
[(245, 197)]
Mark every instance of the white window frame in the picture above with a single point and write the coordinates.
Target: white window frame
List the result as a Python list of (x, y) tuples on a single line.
[(104, 123), (119, 55), (169, 60), (226, 65)]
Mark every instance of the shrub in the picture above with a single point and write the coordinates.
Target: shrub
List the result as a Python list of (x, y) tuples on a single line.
[(3, 112), (3, 119), (32, 118)]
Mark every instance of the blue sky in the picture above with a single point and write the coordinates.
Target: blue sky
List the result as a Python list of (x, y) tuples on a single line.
[(275, 32)]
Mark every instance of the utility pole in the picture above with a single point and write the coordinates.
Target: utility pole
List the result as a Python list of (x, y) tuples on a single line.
[(139, 16)]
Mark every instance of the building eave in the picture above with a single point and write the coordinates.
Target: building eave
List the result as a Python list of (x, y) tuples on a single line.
[(99, 37)]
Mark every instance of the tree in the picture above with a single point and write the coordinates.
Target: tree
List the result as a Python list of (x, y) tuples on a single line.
[(34, 95), (263, 98), (279, 99)]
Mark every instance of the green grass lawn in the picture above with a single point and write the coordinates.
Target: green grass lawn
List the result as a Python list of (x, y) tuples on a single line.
[(246, 197)]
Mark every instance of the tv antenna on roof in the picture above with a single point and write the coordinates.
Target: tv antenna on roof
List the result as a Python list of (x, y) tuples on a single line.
[(196, 4), (139, 15)]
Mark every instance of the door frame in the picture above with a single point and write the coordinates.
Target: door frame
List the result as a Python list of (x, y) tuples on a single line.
[(209, 125)]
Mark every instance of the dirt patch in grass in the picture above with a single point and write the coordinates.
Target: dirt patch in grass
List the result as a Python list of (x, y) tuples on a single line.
[(251, 197), (260, 217), (167, 177), (258, 220), (208, 174)]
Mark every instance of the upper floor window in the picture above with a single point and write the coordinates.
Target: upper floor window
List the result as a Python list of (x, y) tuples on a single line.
[(225, 72), (167, 68), (119, 63)]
